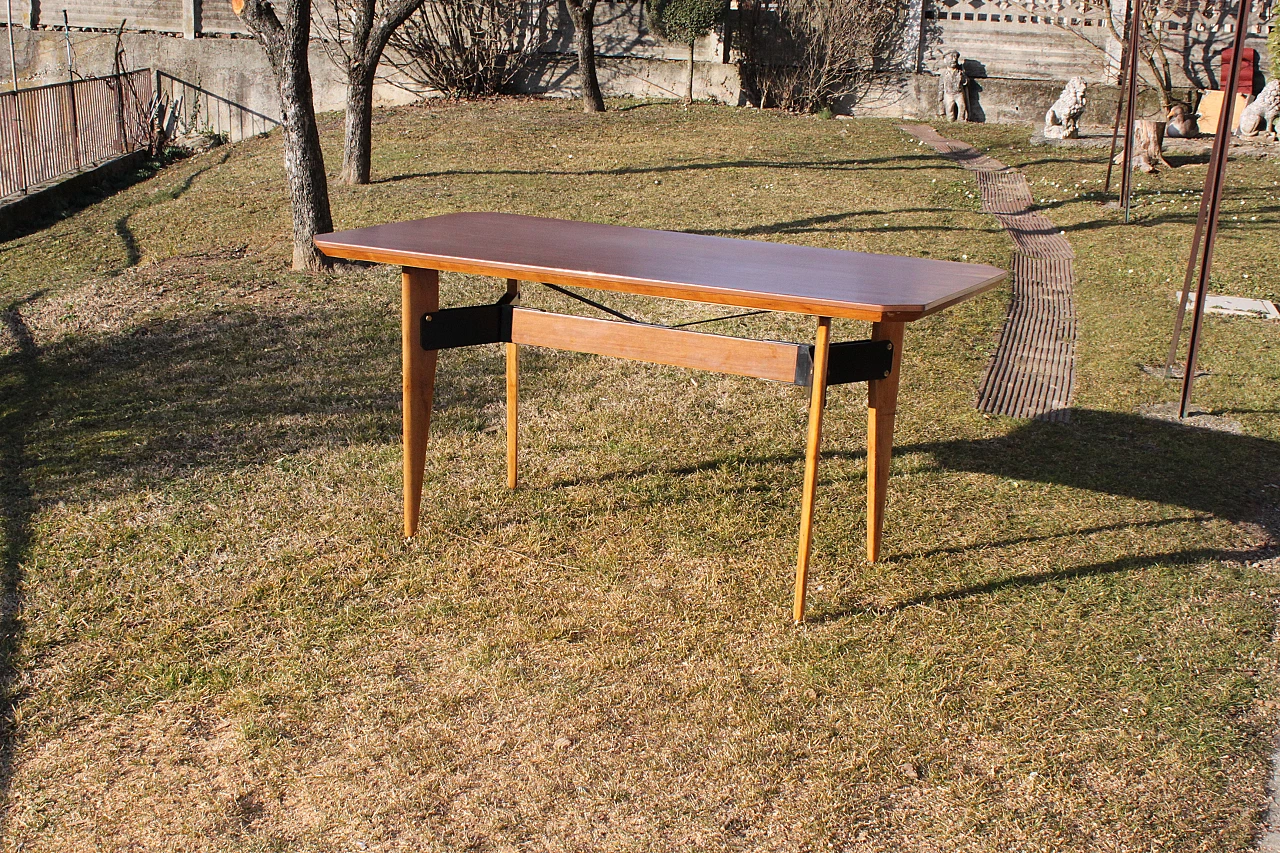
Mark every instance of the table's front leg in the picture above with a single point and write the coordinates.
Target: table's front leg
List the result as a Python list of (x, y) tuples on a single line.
[(513, 393), (882, 407), (817, 400), (419, 294)]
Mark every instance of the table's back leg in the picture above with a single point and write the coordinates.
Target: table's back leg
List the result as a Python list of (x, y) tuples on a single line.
[(817, 398), (419, 294), (882, 407), (513, 394)]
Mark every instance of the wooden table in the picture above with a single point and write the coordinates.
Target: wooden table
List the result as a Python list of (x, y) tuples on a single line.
[(887, 290)]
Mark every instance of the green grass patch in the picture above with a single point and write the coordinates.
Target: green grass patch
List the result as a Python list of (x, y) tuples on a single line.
[(214, 637)]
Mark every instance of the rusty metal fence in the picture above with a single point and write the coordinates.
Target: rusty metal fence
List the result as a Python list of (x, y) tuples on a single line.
[(193, 109), (49, 131)]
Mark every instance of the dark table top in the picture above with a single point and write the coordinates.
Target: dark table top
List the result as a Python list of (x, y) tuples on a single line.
[(727, 271)]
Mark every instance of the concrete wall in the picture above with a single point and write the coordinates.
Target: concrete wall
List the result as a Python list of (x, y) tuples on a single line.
[(557, 76), (235, 68), (1058, 39), (1018, 59), (994, 99)]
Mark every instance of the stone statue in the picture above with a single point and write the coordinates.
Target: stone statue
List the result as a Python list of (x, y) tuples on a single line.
[(1259, 118), (1062, 121), (1181, 123), (953, 88)]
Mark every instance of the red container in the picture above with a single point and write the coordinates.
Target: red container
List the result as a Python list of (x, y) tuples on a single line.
[(1246, 69)]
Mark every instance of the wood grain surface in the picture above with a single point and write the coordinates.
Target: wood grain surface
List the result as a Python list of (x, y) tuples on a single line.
[(722, 270)]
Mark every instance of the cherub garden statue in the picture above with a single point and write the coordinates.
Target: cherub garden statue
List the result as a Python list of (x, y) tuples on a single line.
[(953, 88), (1062, 121)]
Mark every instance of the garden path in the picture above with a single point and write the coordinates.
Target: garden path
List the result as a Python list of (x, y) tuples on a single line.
[(1032, 374)]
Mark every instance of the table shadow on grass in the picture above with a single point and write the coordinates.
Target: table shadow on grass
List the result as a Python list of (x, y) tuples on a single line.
[(1223, 475), (1213, 474)]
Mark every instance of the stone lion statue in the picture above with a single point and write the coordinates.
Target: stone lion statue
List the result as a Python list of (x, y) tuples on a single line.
[(1259, 118), (1062, 121), (953, 86)]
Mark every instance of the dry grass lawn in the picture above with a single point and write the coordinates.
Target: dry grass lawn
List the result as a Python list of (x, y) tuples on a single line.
[(215, 639)]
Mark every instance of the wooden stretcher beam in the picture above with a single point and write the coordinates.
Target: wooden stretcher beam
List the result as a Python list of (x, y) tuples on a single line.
[(772, 360)]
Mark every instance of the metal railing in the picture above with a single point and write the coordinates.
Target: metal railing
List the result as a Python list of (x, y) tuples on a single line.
[(50, 131), (197, 110)]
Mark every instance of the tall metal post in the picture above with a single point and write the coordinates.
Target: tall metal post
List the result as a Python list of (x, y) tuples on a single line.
[(1210, 204), (1131, 109), (1120, 102), (13, 60), (66, 34)]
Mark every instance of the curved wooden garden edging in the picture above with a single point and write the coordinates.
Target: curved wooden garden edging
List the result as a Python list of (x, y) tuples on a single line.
[(1032, 374)]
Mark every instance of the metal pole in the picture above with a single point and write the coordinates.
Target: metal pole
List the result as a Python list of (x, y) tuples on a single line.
[(1191, 267), (75, 125), (66, 32), (13, 62), (1120, 100), (17, 104), (1126, 166), (1213, 190)]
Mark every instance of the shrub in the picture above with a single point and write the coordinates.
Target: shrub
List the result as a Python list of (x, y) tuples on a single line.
[(469, 48), (685, 21), (1273, 46), (804, 55)]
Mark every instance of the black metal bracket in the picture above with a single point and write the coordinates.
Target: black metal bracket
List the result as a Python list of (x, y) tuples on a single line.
[(850, 361), (465, 327)]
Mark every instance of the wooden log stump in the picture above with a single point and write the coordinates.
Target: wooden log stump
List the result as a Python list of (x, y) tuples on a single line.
[(1148, 144)]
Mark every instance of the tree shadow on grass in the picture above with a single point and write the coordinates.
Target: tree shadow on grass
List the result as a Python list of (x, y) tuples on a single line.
[(226, 389), (892, 163), (130, 242), (90, 417), (21, 399)]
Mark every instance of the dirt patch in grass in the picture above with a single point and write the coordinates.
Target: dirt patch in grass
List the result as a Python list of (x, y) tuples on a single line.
[(217, 640)]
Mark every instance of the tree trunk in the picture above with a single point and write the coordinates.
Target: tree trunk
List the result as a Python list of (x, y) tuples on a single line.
[(1148, 142), (304, 167), (689, 96), (286, 46), (583, 13), (356, 154), (369, 36)]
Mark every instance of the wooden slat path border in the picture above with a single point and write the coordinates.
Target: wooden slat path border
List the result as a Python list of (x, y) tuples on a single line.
[(1032, 374)]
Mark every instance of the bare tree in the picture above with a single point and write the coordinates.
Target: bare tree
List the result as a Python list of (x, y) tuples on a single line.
[(355, 35), (285, 42), (1153, 50), (583, 13), (804, 55), (469, 48), (1150, 32)]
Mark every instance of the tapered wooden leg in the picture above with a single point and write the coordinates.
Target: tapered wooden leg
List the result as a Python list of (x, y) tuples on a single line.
[(513, 402), (513, 395), (882, 406), (419, 294), (817, 397)]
